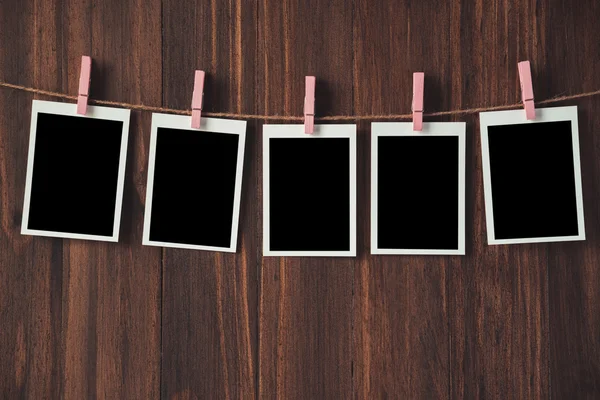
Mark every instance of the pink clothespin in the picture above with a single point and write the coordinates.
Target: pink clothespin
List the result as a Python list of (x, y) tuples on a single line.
[(84, 84), (197, 98), (309, 105), (417, 104), (527, 89)]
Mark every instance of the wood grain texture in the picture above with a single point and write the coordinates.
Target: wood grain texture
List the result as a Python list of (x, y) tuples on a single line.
[(84, 316), (31, 273), (305, 311), (574, 268), (209, 330), (126, 47), (83, 319), (499, 318), (401, 302)]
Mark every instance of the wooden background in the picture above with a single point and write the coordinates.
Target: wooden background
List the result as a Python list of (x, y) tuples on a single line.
[(97, 320)]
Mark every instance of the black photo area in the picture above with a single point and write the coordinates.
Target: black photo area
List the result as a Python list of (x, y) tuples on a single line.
[(194, 187), (417, 192), (533, 180), (309, 182), (75, 174)]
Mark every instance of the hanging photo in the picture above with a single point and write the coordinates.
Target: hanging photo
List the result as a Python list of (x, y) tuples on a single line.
[(75, 171), (532, 176), (194, 183), (309, 190), (418, 188)]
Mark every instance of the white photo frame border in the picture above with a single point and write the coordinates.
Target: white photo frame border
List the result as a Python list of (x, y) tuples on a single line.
[(430, 129), (296, 131), (517, 117), (93, 112), (216, 125)]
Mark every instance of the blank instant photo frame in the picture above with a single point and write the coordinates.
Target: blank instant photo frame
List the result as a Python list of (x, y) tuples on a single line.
[(309, 191), (532, 176), (418, 188), (75, 171), (194, 183)]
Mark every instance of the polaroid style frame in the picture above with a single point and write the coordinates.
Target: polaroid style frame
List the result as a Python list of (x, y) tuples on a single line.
[(70, 109), (405, 129), (297, 131), (215, 125), (517, 117)]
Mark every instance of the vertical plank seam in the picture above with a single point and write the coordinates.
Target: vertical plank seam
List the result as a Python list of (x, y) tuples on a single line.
[(354, 263), (162, 250), (25, 389), (258, 198), (248, 376), (87, 386), (61, 381), (545, 329), (547, 278), (447, 275)]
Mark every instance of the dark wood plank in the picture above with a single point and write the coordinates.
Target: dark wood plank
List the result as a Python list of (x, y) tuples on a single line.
[(498, 306), (83, 319), (401, 311), (84, 316), (209, 340), (80, 286), (574, 268), (113, 304), (31, 300), (305, 303)]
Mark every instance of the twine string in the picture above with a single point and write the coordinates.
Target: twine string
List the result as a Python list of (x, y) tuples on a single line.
[(380, 117)]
